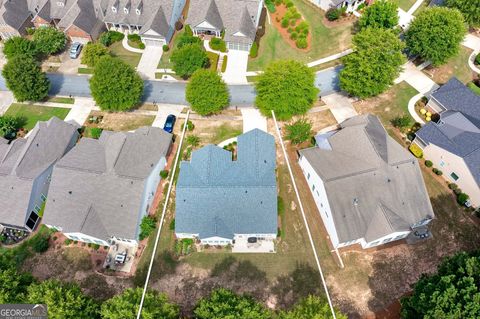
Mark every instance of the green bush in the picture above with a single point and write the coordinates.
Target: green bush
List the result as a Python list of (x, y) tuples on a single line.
[(193, 140), (172, 225), (17, 45), (294, 35), (40, 243), (224, 63), (96, 132), (96, 246), (188, 31), (301, 43), (299, 131), (49, 40), (288, 3), (428, 163), (457, 191), (188, 39), (254, 50), (477, 59), (147, 226), (284, 22), (218, 44), (452, 186), (190, 125), (134, 38), (402, 122), (270, 6), (462, 198), (109, 37), (92, 53), (164, 174), (67, 242), (333, 14), (437, 171), (165, 48)]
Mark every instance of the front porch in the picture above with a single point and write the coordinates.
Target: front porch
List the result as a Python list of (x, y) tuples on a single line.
[(207, 34), (242, 245)]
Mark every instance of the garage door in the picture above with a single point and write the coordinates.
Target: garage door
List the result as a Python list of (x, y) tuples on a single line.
[(157, 43)]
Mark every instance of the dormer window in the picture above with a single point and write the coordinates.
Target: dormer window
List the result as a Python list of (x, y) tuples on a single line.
[(127, 7), (115, 6), (60, 3), (138, 11), (114, 9), (126, 10)]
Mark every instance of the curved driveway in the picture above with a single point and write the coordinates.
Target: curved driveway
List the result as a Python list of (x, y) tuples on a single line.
[(174, 92)]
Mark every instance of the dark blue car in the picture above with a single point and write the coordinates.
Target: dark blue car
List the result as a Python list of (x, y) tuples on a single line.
[(169, 123)]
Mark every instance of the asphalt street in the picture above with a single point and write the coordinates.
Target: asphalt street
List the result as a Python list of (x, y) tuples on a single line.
[(174, 92)]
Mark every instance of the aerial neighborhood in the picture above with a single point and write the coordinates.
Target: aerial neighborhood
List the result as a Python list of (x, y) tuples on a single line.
[(271, 159)]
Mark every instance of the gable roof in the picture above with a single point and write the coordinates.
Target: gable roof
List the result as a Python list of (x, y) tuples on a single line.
[(24, 159), (98, 187), (374, 186), (14, 13), (216, 196)]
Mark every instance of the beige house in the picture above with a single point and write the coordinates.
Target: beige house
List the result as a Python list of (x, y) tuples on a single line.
[(452, 142)]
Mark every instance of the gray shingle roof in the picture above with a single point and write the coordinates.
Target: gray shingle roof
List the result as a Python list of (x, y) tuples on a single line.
[(234, 16), (14, 13), (374, 186), (23, 160), (97, 188), (216, 196)]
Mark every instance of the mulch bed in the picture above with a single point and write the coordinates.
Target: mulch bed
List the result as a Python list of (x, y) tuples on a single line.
[(278, 14)]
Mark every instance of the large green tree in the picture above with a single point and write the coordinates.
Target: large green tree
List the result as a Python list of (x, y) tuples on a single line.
[(13, 285), (222, 304), (375, 63), (92, 53), (469, 8), (312, 307), (126, 305), (453, 292), (206, 92), (287, 87), (19, 46), (436, 34), (188, 59), (25, 79), (381, 14), (49, 40), (115, 85), (63, 300)]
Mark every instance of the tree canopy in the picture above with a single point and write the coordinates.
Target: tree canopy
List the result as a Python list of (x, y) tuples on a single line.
[(223, 304), (287, 87), (19, 46), (126, 305), (92, 53), (374, 64), (435, 34), (469, 8), (312, 307), (381, 14), (115, 85), (452, 292), (25, 79), (206, 92), (188, 59), (13, 285), (49, 40)]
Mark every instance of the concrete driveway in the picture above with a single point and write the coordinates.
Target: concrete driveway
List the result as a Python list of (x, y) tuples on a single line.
[(340, 105), (81, 109), (163, 111), (236, 70), (252, 119), (149, 62)]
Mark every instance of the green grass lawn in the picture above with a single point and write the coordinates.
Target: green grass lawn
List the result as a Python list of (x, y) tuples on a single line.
[(165, 60), (63, 100), (131, 58), (325, 41), (456, 66), (474, 87), (34, 113), (85, 71), (404, 4)]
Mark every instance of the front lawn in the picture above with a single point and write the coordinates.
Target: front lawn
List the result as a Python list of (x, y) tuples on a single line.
[(325, 40), (405, 5), (131, 58), (119, 121), (31, 114), (60, 99), (456, 66)]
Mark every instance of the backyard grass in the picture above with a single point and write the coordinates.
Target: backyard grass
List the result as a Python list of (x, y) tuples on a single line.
[(325, 40), (63, 100), (31, 114), (456, 66), (165, 60), (405, 5), (131, 58)]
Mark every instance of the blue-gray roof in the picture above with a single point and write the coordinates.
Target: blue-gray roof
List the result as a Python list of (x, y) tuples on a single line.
[(217, 196)]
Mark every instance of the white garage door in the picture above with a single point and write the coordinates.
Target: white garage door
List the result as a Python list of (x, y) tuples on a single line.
[(157, 43)]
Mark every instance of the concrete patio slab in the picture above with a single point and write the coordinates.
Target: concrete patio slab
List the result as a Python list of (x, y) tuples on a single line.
[(262, 246)]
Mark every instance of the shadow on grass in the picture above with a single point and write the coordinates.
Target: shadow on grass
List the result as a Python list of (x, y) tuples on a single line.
[(165, 265)]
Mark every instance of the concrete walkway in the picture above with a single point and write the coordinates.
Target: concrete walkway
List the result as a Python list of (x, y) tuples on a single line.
[(471, 62), (340, 105), (163, 111), (252, 119), (415, 6), (472, 42), (128, 47), (6, 99), (80, 110), (148, 64), (329, 58)]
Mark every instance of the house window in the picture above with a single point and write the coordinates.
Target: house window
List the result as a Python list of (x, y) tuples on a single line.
[(43, 197), (454, 176), (73, 237), (308, 175), (99, 242), (37, 209), (442, 163), (373, 243), (313, 188), (318, 194), (326, 213)]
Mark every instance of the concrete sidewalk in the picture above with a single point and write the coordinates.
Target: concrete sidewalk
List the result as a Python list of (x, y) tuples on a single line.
[(252, 119)]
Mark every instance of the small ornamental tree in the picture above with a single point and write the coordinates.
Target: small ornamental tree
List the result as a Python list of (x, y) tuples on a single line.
[(49, 40), (25, 79), (299, 131), (469, 8), (92, 53), (147, 226), (19, 46), (402, 122), (188, 59), (381, 14), (375, 63), (206, 92), (126, 305), (223, 304), (115, 85), (452, 292), (435, 34), (287, 87), (312, 307)]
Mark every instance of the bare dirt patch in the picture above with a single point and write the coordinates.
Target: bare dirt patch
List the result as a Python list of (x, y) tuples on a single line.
[(124, 121), (216, 130)]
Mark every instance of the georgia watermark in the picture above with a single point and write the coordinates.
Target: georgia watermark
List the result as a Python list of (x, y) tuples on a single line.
[(23, 311)]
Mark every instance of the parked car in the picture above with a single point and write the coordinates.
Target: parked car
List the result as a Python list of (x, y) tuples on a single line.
[(75, 50), (169, 123)]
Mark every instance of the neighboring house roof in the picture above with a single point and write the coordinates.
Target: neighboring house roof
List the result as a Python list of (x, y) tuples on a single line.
[(24, 159), (374, 186), (98, 187), (14, 13), (216, 196), (235, 16)]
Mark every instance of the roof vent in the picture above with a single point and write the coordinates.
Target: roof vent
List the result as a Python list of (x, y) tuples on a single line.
[(388, 180), (355, 201), (70, 192)]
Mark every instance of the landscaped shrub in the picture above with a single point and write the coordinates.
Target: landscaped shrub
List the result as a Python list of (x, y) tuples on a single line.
[(96, 246), (294, 35), (193, 140), (134, 38), (67, 242), (437, 171), (254, 50), (428, 163), (172, 225), (109, 37), (165, 48), (188, 39), (457, 191), (284, 23), (452, 186), (95, 132), (164, 174), (224, 63), (416, 150), (188, 31), (288, 3), (462, 198), (49, 40), (147, 226), (333, 14), (477, 59), (190, 125), (301, 43), (270, 6), (218, 44), (40, 243)]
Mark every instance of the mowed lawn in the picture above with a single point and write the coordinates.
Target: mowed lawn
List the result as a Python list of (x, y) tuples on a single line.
[(405, 5), (131, 58), (325, 40), (456, 66), (31, 114)]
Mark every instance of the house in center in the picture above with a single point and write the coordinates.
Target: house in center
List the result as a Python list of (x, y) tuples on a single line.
[(101, 189), (368, 189), (221, 201)]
